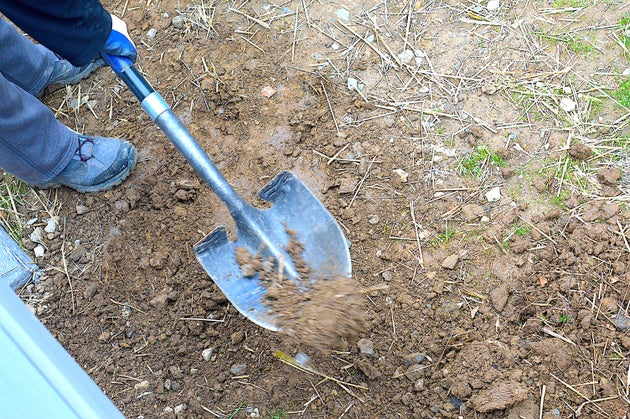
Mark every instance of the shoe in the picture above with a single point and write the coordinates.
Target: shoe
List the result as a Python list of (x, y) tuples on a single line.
[(65, 73), (99, 164)]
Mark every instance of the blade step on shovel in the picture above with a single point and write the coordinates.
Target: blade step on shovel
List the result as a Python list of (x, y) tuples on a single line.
[(295, 212)]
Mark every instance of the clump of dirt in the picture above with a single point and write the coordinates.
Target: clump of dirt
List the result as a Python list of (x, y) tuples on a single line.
[(322, 314)]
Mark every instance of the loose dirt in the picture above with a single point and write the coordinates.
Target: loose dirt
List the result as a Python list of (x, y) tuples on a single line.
[(490, 251)]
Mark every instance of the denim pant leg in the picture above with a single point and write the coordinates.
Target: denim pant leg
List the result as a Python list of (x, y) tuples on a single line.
[(22, 62), (34, 146)]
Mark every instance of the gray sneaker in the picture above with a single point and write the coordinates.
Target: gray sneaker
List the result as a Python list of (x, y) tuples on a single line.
[(65, 73), (99, 164)]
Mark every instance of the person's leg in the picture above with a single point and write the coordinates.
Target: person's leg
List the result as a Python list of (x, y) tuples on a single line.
[(34, 146), (22, 62)]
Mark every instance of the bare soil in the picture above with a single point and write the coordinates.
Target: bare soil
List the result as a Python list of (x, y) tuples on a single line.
[(513, 306)]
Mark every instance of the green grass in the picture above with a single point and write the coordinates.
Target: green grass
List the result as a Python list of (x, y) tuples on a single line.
[(522, 230), (12, 195), (578, 4), (622, 94), (443, 238), (475, 164), (624, 25)]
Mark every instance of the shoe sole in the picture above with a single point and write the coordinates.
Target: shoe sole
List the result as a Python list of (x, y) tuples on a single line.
[(105, 186)]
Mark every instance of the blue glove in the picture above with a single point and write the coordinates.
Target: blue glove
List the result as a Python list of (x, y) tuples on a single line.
[(119, 43)]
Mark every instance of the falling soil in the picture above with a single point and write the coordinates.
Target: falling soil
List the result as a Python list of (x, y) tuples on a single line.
[(322, 314)]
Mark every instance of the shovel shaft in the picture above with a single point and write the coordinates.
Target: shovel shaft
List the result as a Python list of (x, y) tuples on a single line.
[(155, 106)]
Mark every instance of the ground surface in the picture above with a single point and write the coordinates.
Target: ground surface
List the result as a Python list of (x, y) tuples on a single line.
[(401, 117)]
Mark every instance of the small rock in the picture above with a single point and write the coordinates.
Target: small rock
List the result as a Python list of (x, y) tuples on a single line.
[(142, 385), (237, 337), (622, 323), (180, 409), (373, 219), (415, 358), (238, 369), (82, 209), (406, 56), (608, 175), (580, 151), (450, 262), (493, 5), (267, 91), (472, 212), (343, 14), (51, 225), (206, 354), (366, 346), (567, 104), (493, 194), (477, 131), (401, 176), (418, 385), (151, 34), (178, 22), (39, 251)]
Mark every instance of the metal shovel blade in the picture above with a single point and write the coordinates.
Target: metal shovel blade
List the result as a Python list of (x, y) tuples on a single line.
[(296, 210), (295, 214)]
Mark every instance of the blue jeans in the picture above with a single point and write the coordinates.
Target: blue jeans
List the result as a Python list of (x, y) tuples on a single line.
[(34, 146)]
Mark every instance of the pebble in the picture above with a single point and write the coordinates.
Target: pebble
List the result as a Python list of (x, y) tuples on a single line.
[(142, 385), (151, 34), (238, 369), (402, 176), (626, 72), (206, 354), (343, 14), (178, 22), (237, 337), (51, 225), (267, 91), (373, 219), (493, 5), (493, 194), (567, 104), (621, 322), (39, 251), (450, 262), (180, 408), (366, 346), (415, 358), (406, 56), (303, 359), (82, 209)]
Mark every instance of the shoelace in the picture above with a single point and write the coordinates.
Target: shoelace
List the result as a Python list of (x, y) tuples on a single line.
[(82, 141)]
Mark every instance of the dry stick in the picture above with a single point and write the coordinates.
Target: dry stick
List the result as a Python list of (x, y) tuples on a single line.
[(367, 172), (539, 230), (293, 44), (289, 360), (542, 401), (415, 226), (622, 232), (379, 53), (556, 335), (332, 112), (253, 19), (65, 266), (576, 391)]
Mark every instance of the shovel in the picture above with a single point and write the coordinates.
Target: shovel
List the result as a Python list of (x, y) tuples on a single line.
[(295, 213)]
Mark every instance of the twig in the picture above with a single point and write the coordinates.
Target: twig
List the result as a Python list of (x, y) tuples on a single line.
[(367, 172), (332, 112), (415, 226), (542, 401), (253, 19), (289, 360), (556, 335)]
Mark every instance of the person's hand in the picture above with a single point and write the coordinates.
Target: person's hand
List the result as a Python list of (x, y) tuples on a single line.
[(119, 43)]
